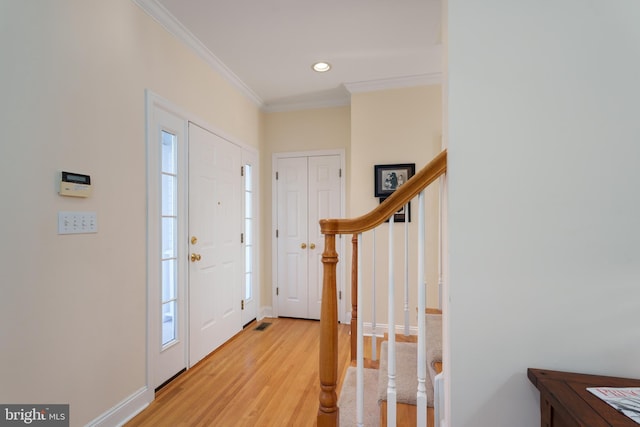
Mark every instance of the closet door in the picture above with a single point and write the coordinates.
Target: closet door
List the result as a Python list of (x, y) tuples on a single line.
[(292, 237), (324, 202), (309, 189)]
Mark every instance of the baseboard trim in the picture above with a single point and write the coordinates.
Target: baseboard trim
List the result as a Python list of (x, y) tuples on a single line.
[(125, 410), (266, 311), (346, 319), (383, 328)]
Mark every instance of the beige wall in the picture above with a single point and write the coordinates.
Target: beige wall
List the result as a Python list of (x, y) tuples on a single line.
[(73, 80), (73, 310), (306, 130), (388, 127), (543, 201), (391, 126)]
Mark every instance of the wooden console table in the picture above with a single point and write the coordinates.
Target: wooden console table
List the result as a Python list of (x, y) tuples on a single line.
[(565, 401)]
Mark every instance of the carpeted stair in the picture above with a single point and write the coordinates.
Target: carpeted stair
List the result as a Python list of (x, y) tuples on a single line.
[(347, 399), (375, 380), (406, 364), (406, 374)]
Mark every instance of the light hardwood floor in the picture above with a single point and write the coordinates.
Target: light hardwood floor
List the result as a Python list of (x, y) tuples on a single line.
[(258, 378)]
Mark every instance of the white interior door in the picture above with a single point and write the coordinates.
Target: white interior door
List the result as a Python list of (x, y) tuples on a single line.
[(308, 189), (292, 237), (215, 214), (324, 202)]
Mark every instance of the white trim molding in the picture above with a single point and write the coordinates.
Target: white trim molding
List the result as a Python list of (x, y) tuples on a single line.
[(279, 107), (125, 410), (396, 83), (265, 311), (160, 14), (382, 328)]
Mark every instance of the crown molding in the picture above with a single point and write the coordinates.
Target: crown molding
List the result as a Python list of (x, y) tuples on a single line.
[(395, 83), (280, 107), (160, 14)]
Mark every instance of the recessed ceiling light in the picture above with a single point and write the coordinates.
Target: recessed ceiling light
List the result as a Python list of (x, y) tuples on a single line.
[(321, 67)]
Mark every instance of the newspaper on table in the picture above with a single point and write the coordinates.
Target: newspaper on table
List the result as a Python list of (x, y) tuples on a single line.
[(623, 399)]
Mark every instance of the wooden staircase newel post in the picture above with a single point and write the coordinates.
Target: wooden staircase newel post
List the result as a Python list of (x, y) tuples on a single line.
[(328, 411)]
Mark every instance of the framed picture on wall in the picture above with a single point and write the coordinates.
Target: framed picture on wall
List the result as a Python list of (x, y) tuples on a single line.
[(389, 177), (403, 214)]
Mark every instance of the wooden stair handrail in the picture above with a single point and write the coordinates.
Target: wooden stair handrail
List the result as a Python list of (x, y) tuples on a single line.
[(328, 411), (432, 171)]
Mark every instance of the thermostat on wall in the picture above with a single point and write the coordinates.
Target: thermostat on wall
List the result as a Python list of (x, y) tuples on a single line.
[(75, 185)]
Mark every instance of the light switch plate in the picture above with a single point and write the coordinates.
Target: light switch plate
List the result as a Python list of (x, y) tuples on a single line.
[(77, 222)]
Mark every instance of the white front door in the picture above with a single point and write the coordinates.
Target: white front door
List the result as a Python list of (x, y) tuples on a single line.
[(308, 189), (215, 227)]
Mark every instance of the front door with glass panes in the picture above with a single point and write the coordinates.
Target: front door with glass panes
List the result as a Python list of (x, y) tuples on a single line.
[(203, 240)]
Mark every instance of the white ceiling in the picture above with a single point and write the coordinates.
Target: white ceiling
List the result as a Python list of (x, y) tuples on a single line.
[(267, 47)]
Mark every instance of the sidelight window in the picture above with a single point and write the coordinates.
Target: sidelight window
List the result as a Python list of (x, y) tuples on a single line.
[(169, 221)]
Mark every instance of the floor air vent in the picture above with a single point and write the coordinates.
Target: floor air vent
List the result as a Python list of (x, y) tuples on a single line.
[(262, 326)]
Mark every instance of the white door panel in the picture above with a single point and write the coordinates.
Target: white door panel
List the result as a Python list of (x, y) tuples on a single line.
[(215, 221), (308, 189), (292, 235), (324, 202)]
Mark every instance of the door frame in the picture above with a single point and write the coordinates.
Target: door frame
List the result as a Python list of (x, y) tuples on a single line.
[(343, 315), (152, 101)]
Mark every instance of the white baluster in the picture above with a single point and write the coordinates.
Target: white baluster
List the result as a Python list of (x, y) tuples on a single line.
[(374, 328), (360, 343), (421, 394), (391, 385), (440, 199), (406, 270)]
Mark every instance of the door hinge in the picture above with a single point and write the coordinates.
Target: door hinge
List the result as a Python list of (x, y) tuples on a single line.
[(276, 176), (241, 170), (339, 295), (277, 233), (277, 291), (242, 304), (241, 237), (340, 173)]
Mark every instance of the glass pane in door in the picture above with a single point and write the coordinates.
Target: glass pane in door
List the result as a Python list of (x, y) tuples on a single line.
[(169, 241), (248, 232)]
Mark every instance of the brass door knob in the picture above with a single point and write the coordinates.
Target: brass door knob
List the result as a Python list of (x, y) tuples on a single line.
[(303, 246), (312, 246), (195, 257)]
